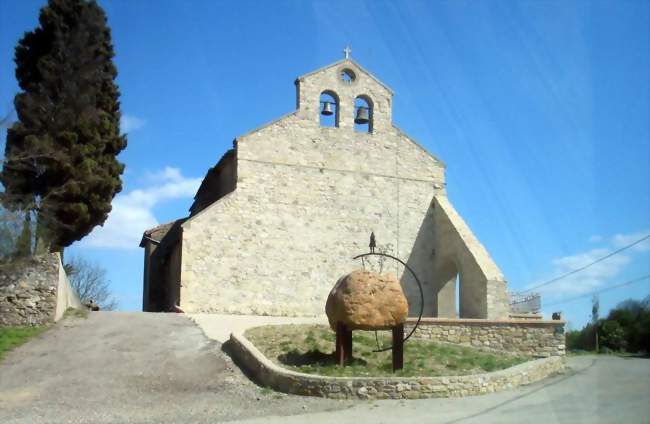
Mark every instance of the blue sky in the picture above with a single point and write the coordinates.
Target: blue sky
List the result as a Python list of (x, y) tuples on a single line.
[(540, 109)]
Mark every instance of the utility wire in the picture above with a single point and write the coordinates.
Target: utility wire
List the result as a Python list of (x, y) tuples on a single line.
[(642, 239), (627, 283)]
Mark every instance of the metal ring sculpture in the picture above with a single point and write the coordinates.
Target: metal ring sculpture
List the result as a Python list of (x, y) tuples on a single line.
[(417, 280)]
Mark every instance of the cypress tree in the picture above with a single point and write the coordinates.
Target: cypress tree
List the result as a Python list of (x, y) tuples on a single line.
[(60, 156), (24, 241)]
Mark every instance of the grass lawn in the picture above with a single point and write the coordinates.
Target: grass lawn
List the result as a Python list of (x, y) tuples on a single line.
[(11, 337), (75, 313), (310, 349)]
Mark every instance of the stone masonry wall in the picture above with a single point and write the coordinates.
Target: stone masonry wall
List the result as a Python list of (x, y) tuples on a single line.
[(536, 338), (28, 291), (307, 199), (483, 291), (268, 374), (278, 244)]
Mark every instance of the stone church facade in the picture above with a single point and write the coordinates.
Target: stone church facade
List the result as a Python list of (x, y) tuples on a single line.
[(277, 221)]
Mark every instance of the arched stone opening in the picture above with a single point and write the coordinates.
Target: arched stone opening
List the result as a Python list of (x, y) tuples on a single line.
[(329, 109), (363, 114), (453, 297)]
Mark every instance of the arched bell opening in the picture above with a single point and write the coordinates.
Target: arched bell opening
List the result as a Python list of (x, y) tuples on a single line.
[(329, 109), (363, 111)]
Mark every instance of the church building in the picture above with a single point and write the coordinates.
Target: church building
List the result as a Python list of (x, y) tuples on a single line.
[(280, 217)]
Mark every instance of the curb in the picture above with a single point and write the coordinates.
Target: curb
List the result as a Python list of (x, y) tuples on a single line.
[(268, 374)]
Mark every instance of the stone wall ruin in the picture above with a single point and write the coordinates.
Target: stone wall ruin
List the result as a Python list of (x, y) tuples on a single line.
[(34, 291)]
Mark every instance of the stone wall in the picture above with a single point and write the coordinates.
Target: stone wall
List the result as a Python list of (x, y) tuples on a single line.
[(459, 255), (268, 374), (307, 199), (66, 296), (34, 291), (538, 338), (28, 291), (278, 249)]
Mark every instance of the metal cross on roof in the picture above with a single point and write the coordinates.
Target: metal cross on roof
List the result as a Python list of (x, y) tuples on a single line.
[(347, 51)]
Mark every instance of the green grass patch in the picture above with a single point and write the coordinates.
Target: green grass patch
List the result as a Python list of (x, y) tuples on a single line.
[(310, 349), (10, 337), (75, 313)]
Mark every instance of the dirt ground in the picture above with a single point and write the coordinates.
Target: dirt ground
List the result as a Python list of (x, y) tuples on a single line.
[(134, 368)]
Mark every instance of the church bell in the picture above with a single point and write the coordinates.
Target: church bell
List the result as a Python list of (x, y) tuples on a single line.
[(327, 109), (362, 115)]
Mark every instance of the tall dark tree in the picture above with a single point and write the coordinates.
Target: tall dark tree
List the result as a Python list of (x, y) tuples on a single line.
[(60, 156), (24, 241), (11, 228)]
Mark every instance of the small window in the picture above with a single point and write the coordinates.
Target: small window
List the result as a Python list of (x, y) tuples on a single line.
[(363, 114), (348, 76), (329, 109)]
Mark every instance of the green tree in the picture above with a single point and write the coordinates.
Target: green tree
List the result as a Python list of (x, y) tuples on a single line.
[(612, 335), (60, 156), (634, 318), (573, 340), (582, 339), (627, 327), (11, 224), (24, 241)]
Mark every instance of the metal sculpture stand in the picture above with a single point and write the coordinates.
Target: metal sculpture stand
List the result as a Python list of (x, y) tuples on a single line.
[(417, 280), (344, 345), (398, 347), (344, 335)]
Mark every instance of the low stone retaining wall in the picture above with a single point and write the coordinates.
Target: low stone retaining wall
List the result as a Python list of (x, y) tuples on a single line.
[(34, 291), (538, 338), (271, 375)]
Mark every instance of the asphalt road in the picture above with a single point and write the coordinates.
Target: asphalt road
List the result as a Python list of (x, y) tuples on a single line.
[(151, 368), (595, 389)]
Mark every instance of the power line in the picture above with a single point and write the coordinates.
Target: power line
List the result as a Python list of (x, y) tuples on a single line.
[(627, 283), (588, 265)]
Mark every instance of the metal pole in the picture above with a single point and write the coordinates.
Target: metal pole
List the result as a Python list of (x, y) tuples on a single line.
[(398, 347)]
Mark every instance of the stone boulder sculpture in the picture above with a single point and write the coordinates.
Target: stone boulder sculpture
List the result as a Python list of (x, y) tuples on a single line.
[(364, 300)]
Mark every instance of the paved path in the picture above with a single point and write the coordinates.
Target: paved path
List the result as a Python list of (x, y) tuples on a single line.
[(142, 368), (218, 327), (118, 367), (594, 390)]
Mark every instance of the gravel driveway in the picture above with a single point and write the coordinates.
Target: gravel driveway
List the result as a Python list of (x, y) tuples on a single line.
[(135, 368)]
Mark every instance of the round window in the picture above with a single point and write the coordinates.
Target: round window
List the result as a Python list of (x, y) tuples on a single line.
[(348, 76)]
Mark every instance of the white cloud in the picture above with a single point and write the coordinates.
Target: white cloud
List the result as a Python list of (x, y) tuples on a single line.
[(596, 276), (587, 280), (132, 212), (622, 240), (168, 173), (129, 123)]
